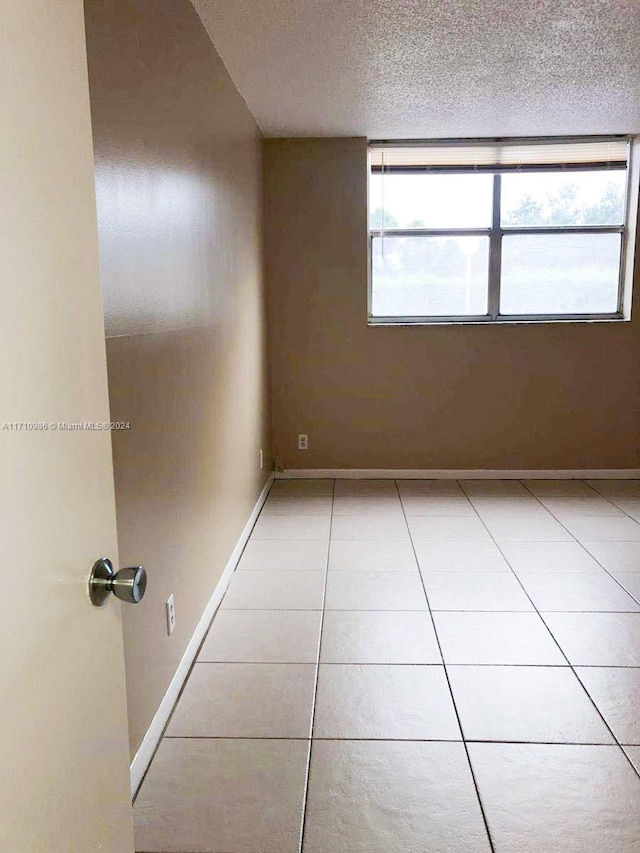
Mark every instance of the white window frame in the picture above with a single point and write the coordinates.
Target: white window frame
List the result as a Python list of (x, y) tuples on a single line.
[(496, 232)]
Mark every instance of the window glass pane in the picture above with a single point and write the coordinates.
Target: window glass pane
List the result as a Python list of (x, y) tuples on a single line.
[(568, 198), (430, 201), (429, 276), (560, 273)]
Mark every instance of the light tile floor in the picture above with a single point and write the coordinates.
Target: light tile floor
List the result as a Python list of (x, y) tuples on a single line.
[(415, 666)]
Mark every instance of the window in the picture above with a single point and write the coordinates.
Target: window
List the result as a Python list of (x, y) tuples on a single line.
[(500, 230)]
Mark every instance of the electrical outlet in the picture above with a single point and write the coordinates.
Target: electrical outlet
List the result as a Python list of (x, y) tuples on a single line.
[(303, 441), (261, 460), (171, 614)]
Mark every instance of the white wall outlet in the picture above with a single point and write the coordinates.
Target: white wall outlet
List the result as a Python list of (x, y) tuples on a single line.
[(261, 460), (303, 441), (171, 614)]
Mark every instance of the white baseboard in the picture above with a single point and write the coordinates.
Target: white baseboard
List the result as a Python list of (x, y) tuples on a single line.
[(461, 474), (143, 756)]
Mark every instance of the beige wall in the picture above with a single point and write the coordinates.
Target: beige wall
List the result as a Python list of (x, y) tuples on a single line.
[(178, 166), (526, 396)]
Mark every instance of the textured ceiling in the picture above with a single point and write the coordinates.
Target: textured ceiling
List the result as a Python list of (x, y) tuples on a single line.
[(422, 68)]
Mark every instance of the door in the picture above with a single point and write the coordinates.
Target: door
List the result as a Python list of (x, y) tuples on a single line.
[(64, 785)]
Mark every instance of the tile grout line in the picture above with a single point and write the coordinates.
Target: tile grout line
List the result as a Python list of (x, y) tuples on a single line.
[(407, 610), (369, 663), (305, 799), (446, 675), (497, 544), (609, 500), (402, 739)]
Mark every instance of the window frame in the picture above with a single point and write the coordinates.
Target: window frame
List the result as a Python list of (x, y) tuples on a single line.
[(496, 231)]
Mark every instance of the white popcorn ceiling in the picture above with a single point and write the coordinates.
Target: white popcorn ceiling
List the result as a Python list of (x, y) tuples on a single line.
[(422, 68)]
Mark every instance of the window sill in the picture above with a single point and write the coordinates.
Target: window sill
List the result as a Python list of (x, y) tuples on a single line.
[(501, 321)]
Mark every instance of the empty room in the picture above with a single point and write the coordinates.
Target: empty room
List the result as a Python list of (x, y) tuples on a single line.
[(319, 436)]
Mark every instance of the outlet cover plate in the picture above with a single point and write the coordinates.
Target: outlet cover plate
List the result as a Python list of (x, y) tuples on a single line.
[(171, 614)]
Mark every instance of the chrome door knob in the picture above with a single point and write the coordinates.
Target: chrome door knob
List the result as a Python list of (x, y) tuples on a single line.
[(128, 584)]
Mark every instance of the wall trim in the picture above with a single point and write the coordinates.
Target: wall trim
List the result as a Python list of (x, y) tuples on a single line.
[(147, 748), (459, 474)]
